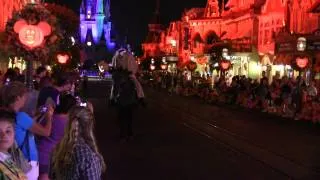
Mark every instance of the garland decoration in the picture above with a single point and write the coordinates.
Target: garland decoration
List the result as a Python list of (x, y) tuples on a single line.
[(33, 14)]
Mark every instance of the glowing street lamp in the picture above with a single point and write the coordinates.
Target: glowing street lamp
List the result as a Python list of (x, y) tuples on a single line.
[(225, 52), (164, 66), (89, 43), (152, 67), (73, 40), (173, 42), (301, 44)]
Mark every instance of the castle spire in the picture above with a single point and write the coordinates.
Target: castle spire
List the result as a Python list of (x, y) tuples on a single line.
[(107, 10), (212, 8), (99, 6), (157, 7), (156, 17)]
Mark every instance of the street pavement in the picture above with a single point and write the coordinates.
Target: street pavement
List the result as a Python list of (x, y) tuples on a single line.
[(184, 138)]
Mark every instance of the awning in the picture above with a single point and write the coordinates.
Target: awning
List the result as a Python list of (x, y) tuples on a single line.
[(284, 59), (244, 33)]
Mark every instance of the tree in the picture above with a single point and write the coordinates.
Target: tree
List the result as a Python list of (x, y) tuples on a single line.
[(69, 23), (68, 19)]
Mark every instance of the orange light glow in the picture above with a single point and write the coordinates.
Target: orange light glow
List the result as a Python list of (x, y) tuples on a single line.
[(202, 60), (63, 58), (302, 62), (225, 64), (164, 66), (30, 35)]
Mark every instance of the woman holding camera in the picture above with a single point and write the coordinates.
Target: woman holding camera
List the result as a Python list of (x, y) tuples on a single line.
[(47, 144)]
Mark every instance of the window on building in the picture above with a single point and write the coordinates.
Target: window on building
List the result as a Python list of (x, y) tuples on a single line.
[(279, 22), (266, 36)]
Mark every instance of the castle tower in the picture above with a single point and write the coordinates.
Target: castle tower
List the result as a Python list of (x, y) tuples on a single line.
[(212, 9), (151, 44), (95, 19)]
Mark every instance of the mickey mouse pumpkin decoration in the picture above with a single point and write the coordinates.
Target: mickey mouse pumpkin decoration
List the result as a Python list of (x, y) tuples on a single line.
[(63, 58), (302, 62), (32, 36), (225, 65)]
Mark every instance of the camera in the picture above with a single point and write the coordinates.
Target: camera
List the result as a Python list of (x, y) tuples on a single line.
[(43, 109), (7, 81), (83, 104)]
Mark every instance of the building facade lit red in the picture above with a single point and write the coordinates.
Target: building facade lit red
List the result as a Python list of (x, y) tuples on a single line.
[(7, 7), (249, 28)]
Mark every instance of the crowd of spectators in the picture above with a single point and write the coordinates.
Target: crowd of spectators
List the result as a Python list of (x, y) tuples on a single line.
[(293, 98), (46, 132)]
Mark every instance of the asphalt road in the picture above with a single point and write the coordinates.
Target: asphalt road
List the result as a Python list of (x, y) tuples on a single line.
[(183, 138)]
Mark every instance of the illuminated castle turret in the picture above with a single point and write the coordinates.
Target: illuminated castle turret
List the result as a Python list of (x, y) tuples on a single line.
[(95, 24)]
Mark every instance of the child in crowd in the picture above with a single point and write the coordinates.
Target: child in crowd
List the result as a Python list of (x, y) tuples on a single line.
[(13, 97), (8, 169)]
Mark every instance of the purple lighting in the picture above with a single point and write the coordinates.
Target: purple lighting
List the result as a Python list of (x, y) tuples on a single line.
[(95, 19)]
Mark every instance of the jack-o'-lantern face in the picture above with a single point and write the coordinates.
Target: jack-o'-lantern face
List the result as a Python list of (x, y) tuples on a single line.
[(302, 62), (225, 65), (63, 58), (32, 35)]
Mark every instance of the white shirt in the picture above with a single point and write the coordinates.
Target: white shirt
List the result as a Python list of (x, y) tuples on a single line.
[(4, 156)]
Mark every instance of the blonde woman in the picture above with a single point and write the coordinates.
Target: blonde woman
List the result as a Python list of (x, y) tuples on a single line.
[(76, 156)]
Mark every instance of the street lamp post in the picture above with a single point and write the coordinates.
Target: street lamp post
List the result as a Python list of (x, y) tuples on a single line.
[(301, 47)]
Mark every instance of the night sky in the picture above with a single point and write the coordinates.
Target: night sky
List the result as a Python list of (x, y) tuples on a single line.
[(131, 17)]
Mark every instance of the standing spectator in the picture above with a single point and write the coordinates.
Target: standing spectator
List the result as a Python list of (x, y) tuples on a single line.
[(63, 84), (312, 90), (47, 144), (10, 76), (77, 156), (41, 72), (125, 97), (8, 169), (14, 96), (85, 86), (31, 103)]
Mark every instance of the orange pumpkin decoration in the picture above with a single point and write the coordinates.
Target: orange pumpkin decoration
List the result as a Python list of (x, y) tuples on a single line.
[(164, 66), (152, 67), (30, 35), (302, 62), (63, 58), (202, 60), (225, 65)]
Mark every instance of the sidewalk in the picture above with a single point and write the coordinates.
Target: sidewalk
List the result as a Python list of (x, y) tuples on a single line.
[(295, 141)]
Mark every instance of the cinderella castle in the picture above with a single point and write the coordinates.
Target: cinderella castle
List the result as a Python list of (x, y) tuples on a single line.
[(95, 24)]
